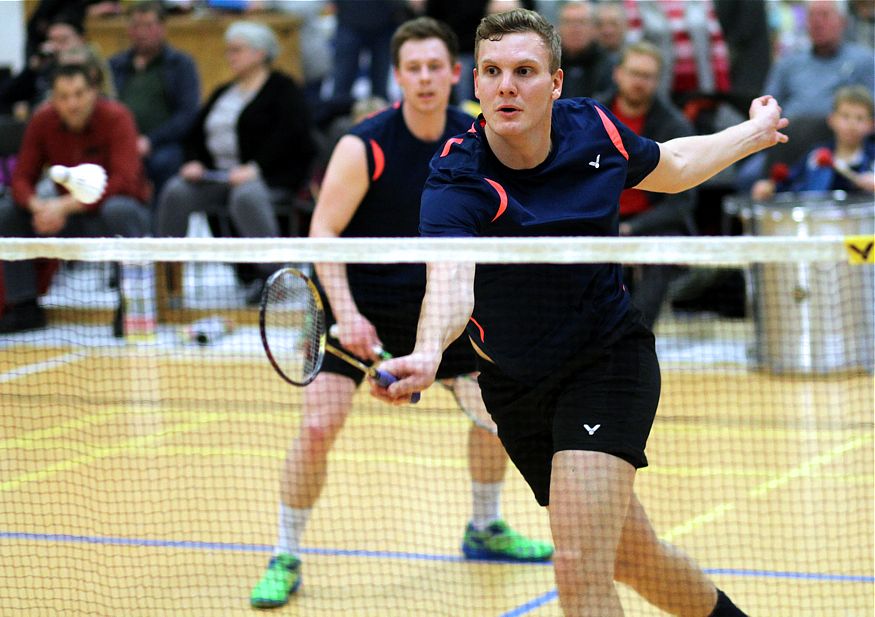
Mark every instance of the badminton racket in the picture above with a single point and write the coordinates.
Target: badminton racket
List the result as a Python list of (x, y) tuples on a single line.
[(293, 332)]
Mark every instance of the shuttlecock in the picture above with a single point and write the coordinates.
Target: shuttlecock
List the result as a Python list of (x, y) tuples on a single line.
[(85, 182)]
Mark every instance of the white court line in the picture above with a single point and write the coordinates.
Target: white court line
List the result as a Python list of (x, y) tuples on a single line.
[(38, 367)]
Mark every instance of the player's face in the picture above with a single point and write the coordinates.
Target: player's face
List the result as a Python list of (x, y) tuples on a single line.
[(74, 101), (851, 123), (514, 84), (425, 74)]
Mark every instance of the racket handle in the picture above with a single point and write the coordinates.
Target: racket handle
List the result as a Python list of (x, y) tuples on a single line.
[(385, 379)]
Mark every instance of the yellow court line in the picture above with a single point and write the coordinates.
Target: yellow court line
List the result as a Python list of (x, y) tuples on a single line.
[(99, 452), (740, 472), (196, 421), (690, 427), (430, 461), (805, 469), (27, 439), (335, 456)]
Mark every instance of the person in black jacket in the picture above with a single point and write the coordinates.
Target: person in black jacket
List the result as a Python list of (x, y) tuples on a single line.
[(251, 143), (642, 213)]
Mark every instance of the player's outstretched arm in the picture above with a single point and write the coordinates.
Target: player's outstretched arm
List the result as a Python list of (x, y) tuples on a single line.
[(686, 162), (446, 307)]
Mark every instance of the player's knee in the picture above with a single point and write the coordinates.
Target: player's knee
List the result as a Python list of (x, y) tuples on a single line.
[(578, 564), (320, 432)]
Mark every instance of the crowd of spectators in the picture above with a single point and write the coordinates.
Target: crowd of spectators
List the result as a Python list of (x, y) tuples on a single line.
[(665, 67)]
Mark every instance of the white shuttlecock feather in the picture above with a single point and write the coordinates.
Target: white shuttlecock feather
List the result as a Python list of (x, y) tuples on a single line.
[(85, 182)]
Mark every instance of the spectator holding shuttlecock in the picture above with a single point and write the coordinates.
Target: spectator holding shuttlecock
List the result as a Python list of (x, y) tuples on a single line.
[(77, 127)]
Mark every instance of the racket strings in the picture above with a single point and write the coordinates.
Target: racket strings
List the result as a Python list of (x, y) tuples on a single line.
[(294, 327)]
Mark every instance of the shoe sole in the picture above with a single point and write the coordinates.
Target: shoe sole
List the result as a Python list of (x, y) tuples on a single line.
[(487, 555)]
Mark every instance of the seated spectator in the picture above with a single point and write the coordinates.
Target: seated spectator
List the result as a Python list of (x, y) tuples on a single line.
[(250, 139), (587, 67), (160, 85), (861, 26), (78, 126), (805, 81), (48, 11), (611, 25), (847, 163), (64, 44), (636, 104)]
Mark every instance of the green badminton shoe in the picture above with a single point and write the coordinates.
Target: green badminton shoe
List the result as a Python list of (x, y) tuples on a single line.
[(281, 579), (499, 542)]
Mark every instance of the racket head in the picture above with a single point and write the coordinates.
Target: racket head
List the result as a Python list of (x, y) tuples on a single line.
[(466, 391), (291, 321)]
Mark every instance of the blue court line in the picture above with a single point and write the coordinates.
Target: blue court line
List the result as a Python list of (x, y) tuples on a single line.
[(519, 611), (531, 604), (244, 548), (811, 576), (335, 552)]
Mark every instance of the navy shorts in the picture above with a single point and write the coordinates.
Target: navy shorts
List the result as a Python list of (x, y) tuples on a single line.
[(603, 400), (396, 328)]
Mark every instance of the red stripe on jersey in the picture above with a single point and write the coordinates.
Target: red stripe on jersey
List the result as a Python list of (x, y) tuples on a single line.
[(379, 160), (613, 133), (480, 328), (502, 198), (449, 144)]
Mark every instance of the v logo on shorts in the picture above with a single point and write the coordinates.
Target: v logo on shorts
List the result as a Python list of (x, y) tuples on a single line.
[(595, 163), (592, 429)]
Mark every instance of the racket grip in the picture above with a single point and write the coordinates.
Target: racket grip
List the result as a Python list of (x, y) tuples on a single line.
[(385, 379)]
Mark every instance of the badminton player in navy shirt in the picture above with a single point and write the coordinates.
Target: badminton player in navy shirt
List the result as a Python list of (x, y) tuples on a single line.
[(372, 188), (568, 371)]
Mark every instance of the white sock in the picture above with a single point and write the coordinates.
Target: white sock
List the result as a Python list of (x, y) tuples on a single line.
[(292, 522), (486, 508)]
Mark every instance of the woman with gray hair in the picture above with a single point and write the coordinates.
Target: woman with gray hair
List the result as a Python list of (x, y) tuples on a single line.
[(250, 145)]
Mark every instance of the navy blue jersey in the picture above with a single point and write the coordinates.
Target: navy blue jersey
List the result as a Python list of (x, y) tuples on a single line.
[(397, 168), (531, 318)]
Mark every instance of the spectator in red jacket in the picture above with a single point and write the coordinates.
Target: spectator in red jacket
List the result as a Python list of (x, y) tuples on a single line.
[(78, 126)]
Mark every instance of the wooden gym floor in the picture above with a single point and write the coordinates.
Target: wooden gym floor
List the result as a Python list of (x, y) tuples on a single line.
[(143, 481)]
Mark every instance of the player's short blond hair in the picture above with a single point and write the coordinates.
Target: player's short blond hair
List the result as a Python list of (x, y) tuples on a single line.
[(493, 27)]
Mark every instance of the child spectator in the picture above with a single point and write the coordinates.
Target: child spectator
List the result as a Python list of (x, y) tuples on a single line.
[(847, 163)]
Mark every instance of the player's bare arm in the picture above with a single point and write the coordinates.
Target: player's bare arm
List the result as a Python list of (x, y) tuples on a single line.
[(344, 187), (686, 162), (446, 307)]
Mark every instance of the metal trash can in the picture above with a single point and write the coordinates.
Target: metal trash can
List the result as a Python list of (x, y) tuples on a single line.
[(818, 317)]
